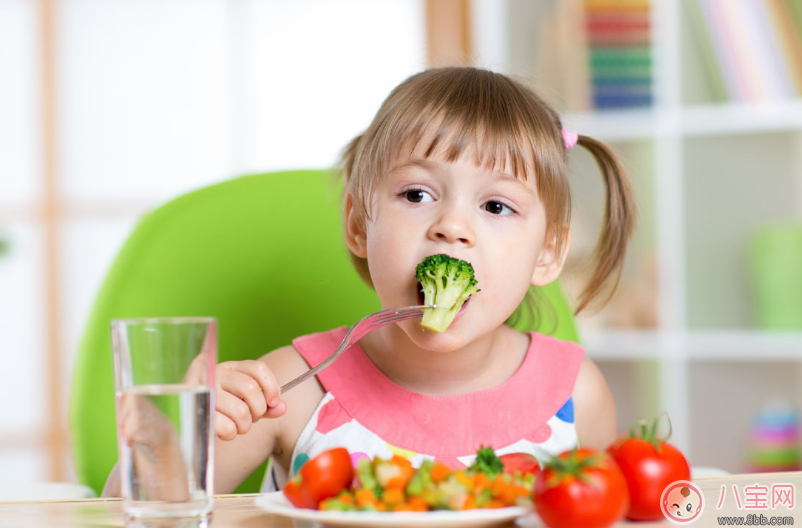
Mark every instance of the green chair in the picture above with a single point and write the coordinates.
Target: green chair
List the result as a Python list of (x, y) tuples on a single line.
[(264, 254)]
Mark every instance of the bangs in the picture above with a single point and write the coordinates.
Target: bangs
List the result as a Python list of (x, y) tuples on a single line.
[(492, 150), (477, 111)]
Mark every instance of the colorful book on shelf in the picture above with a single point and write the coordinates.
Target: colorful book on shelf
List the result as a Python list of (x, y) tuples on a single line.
[(719, 88), (757, 50), (740, 38), (620, 54), (767, 48), (795, 9), (724, 49), (788, 36), (617, 5), (617, 28)]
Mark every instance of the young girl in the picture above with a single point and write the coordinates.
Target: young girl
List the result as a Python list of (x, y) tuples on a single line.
[(469, 163)]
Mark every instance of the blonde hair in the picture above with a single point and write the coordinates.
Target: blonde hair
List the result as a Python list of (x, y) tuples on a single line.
[(505, 122)]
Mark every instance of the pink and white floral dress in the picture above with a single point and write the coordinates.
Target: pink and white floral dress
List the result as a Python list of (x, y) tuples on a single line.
[(365, 412)]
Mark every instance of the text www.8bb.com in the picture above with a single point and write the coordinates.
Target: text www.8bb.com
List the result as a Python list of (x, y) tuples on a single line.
[(755, 520)]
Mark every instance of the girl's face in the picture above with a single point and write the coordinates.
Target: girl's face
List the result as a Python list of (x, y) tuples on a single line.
[(489, 218)]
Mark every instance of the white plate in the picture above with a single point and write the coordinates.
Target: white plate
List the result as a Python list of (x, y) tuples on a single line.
[(277, 503)]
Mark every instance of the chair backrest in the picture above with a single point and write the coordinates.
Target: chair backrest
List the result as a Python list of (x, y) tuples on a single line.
[(264, 254)]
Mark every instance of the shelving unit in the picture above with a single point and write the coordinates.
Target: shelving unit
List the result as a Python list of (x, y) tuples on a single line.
[(704, 362)]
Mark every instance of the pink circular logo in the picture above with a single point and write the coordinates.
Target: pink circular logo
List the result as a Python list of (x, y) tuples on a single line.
[(682, 502)]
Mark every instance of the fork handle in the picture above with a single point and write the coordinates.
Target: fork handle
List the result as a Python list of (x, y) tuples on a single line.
[(311, 372)]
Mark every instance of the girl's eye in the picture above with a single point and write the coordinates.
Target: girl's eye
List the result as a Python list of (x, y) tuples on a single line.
[(417, 196), (498, 208)]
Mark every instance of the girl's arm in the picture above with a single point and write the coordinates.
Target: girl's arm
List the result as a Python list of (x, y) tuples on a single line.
[(246, 441), (239, 456), (594, 408)]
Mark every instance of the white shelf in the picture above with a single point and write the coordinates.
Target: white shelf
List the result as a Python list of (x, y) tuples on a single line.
[(710, 345), (614, 125), (745, 345), (739, 118), (694, 121), (620, 344)]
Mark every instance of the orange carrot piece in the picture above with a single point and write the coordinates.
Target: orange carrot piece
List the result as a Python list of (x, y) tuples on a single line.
[(498, 486), (346, 498), (521, 491), (440, 472), (366, 496), (494, 503), (508, 496), (469, 504), (480, 482), (417, 504), (391, 497)]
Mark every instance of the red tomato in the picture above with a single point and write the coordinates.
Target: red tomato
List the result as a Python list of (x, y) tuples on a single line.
[(298, 495), (581, 488), (649, 464), (320, 478), (520, 462)]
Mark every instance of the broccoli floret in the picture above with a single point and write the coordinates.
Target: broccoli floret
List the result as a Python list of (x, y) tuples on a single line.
[(447, 283), (487, 462)]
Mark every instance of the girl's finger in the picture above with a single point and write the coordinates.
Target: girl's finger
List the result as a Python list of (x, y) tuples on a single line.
[(260, 372), (246, 388), (235, 409), (224, 427), (277, 411)]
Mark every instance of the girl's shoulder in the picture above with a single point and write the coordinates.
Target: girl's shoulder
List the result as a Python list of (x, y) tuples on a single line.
[(314, 348)]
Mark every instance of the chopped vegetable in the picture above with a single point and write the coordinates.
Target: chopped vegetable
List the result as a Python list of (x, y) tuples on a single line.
[(487, 462), (524, 463), (393, 473), (364, 472), (394, 485)]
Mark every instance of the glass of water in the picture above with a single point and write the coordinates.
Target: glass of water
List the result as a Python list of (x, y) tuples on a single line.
[(164, 384)]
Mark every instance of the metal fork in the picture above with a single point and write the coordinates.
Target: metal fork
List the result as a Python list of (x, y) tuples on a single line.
[(359, 330)]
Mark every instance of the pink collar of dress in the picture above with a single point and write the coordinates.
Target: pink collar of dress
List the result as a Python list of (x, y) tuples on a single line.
[(452, 425)]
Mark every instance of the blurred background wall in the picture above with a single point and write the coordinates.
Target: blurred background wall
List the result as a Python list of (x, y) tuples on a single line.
[(109, 108)]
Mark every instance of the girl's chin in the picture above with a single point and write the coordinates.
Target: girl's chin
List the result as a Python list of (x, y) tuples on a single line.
[(443, 343)]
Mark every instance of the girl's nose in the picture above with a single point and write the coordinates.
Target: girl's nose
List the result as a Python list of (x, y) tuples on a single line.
[(453, 228)]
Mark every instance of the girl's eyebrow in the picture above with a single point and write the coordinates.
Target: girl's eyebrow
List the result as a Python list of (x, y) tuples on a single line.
[(416, 162), (428, 164)]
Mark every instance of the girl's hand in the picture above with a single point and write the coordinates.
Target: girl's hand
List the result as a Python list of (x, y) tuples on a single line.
[(246, 392), (146, 428), (157, 460)]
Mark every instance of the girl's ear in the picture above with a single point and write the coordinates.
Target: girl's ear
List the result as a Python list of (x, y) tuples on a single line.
[(355, 238), (550, 263)]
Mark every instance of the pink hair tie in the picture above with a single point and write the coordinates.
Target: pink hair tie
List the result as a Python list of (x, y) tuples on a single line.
[(569, 138)]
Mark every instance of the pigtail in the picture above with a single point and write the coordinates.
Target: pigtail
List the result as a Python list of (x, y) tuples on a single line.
[(617, 225)]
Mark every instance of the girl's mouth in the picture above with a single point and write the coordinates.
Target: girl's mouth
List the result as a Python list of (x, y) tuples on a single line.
[(422, 301), (461, 310)]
